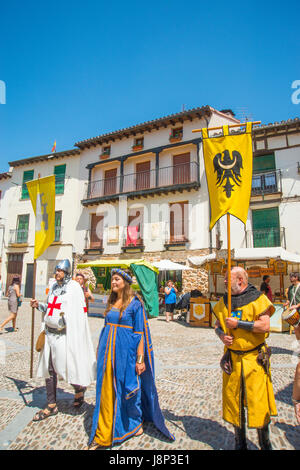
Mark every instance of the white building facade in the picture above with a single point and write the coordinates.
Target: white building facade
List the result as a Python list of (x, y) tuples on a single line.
[(141, 192)]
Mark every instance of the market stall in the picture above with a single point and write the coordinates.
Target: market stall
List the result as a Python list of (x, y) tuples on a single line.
[(274, 262), (145, 274)]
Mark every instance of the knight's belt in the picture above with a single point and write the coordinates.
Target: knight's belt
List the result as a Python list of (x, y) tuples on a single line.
[(240, 353), (61, 331)]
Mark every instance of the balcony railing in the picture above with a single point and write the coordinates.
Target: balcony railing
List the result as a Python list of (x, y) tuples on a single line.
[(264, 238), (141, 181), (266, 183), (18, 236)]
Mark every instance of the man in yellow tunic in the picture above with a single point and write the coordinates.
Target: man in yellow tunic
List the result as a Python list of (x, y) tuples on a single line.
[(246, 377)]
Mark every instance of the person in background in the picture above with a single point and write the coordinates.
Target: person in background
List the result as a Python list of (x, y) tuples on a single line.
[(86, 290), (170, 300), (14, 297), (293, 302), (265, 287)]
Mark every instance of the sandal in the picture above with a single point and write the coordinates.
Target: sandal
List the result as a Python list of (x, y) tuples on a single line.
[(41, 415), (79, 401), (92, 446)]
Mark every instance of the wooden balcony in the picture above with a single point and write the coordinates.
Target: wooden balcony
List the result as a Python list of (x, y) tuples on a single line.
[(266, 186), (142, 184)]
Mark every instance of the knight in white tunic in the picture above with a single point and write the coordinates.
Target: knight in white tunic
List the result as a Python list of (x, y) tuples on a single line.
[(68, 352)]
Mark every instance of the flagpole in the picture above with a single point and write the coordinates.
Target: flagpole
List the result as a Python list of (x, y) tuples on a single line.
[(32, 320), (228, 266)]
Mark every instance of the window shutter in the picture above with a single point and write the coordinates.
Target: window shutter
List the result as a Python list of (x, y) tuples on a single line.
[(264, 163), (266, 227), (57, 225), (60, 172), (27, 176)]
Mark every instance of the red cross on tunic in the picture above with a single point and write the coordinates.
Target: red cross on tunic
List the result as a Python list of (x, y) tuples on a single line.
[(53, 306), (85, 309)]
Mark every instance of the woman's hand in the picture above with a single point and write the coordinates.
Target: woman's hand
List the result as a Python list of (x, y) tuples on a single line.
[(140, 368)]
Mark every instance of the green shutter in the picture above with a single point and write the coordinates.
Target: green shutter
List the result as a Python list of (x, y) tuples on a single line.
[(264, 163), (27, 176), (59, 172), (22, 230), (57, 225), (266, 227)]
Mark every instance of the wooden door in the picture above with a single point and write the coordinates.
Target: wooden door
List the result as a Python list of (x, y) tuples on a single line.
[(142, 176), (14, 267), (110, 182), (178, 222), (181, 169), (96, 234)]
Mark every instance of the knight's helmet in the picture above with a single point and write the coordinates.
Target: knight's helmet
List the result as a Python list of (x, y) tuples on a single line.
[(64, 265)]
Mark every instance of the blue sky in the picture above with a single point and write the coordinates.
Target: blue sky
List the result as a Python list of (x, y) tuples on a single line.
[(74, 70)]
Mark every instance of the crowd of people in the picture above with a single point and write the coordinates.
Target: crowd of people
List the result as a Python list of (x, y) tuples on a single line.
[(123, 365)]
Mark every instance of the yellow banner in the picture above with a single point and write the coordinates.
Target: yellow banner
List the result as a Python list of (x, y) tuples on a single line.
[(228, 166), (42, 196)]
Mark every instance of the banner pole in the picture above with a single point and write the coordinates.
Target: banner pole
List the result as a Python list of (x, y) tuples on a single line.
[(32, 320), (228, 265)]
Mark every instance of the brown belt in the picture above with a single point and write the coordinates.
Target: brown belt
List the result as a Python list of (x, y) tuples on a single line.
[(240, 353)]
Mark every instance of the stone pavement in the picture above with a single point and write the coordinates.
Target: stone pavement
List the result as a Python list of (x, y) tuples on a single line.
[(188, 380)]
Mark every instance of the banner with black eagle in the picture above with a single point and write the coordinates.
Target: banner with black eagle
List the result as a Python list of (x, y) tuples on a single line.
[(228, 165)]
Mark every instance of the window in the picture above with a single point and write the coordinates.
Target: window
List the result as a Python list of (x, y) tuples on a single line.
[(178, 222), (181, 169), (96, 233), (135, 229), (264, 163), (106, 150), (176, 133), (264, 178), (266, 228), (110, 182), (22, 229), (58, 216), (60, 172), (142, 176), (139, 142), (27, 176)]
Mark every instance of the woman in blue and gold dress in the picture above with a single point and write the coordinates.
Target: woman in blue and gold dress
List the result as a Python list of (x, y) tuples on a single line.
[(125, 394)]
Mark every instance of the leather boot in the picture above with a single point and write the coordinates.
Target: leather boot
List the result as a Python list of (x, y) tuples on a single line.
[(263, 438), (240, 438)]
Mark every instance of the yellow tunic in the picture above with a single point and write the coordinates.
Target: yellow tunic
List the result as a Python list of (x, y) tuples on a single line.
[(259, 395)]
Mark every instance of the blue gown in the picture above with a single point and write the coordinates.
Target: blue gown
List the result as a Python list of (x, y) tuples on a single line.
[(135, 397)]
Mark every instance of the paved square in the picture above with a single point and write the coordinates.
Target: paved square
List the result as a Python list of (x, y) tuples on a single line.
[(188, 379)]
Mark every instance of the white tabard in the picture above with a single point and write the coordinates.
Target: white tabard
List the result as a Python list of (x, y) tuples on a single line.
[(72, 353)]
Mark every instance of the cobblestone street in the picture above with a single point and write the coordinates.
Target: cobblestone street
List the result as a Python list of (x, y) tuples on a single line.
[(188, 380)]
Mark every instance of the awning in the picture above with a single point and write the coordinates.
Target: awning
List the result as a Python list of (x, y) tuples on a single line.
[(168, 265), (266, 253), (199, 260)]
